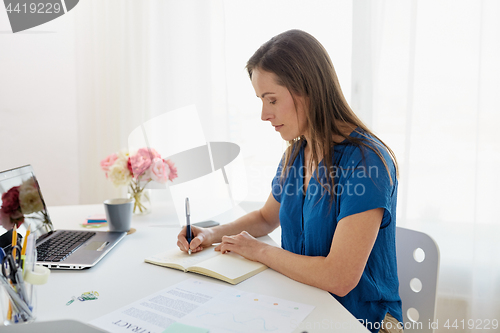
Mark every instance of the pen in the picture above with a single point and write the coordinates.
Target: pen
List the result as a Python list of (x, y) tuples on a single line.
[(188, 225)]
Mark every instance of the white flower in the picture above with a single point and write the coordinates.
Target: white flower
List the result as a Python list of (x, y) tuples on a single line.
[(29, 197), (123, 155), (119, 173)]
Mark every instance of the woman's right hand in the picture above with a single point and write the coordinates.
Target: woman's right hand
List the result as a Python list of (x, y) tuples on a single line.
[(202, 237)]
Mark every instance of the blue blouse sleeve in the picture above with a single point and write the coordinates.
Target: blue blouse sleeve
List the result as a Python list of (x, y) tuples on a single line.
[(365, 184)]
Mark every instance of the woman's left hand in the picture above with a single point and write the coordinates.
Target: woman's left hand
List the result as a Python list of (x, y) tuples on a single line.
[(243, 244)]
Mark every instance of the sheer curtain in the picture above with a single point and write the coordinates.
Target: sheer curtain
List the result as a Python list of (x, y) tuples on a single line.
[(113, 80), (137, 60), (432, 92)]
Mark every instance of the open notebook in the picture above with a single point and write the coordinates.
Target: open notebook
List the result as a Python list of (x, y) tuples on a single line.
[(229, 267)]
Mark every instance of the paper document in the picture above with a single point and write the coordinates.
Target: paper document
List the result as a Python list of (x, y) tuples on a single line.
[(220, 309)]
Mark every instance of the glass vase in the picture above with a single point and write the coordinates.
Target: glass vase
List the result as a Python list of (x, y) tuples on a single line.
[(142, 201)]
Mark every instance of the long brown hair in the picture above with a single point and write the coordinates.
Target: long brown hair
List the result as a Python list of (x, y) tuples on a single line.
[(302, 65)]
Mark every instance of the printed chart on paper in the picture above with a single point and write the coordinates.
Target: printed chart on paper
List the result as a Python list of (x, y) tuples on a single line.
[(219, 308)]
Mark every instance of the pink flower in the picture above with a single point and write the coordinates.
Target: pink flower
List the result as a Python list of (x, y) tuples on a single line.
[(141, 161), (129, 166), (145, 165), (10, 200), (159, 171), (5, 220), (10, 213), (17, 217), (108, 162), (173, 170)]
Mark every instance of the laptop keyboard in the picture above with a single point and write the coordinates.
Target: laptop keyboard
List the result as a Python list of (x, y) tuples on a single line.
[(61, 245)]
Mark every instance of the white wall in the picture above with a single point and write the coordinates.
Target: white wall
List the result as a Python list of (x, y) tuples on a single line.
[(81, 75), (38, 123)]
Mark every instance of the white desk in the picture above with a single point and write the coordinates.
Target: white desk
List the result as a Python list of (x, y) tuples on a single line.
[(123, 277)]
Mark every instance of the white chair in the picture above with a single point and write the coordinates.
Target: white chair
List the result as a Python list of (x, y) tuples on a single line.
[(418, 269)]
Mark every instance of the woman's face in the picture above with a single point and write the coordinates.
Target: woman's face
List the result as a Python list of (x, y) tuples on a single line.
[(278, 107)]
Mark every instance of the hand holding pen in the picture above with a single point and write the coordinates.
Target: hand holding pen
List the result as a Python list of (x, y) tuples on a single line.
[(193, 239), (189, 235)]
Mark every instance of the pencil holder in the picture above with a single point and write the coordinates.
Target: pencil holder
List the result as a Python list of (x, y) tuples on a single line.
[(15, 311), (18, 304)]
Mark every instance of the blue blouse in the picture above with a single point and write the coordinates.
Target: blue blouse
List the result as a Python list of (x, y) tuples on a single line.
[(308, 222)]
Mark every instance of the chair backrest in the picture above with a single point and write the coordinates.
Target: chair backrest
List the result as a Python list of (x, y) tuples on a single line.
[(418, 269)]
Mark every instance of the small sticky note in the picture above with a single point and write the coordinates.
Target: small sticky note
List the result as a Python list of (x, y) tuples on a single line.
[(183, 328), (97, 218)]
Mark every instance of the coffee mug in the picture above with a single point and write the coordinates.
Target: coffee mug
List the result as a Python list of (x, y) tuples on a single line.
[(119, 213)]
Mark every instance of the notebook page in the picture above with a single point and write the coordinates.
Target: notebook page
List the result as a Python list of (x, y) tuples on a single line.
[(231, 265), (178, 257)]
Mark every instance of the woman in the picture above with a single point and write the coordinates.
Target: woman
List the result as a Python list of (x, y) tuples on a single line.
[(334, 193)]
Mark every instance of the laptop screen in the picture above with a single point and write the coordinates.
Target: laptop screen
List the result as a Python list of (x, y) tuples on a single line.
[(21, 202)]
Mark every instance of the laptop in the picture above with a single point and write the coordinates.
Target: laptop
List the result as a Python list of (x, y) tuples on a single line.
[(22, 200)]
